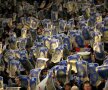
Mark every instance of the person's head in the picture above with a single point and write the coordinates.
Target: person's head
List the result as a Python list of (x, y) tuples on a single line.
[(18, 80), (67, 86), (87, 85), (72, 72), (45, 71), (61, 76), (74, 88), (27, 47)]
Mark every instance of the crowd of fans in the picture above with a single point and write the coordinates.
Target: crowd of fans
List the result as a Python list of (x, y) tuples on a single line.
[(52, 29)]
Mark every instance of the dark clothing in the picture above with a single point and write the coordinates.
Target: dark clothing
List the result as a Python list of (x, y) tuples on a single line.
[(22, 88), (106, 47), (101, 86), (18, 32), (100, 62), (5, 76)]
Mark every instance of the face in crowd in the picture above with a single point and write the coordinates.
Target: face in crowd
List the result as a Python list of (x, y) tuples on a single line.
[(87, 86)]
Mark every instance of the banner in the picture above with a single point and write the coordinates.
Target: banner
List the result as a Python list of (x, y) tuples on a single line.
[(72, 59), (47, 24), (39, 44), (50, 82), (36, 73), (47, 32), (41, 63), (33, 83), (43, 51), (57, 55), (98, 18), (96, 36), (10, 54), (94, 77), (62, 25), (102, 71), (28, 81), (46, 84), (25, 63), (63, 62), (13, 68), (33, 34), (22, 54), (60, 72), (71, 24), (99, 51), (46, 42), (71, 6), (34, 23), (85, 33), (59, 37), (24, 32), (66, 40), (79, 41), (42, 84), (82, 69), (54, 43)]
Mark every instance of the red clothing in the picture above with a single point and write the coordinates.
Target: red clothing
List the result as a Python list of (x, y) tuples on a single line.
[(77, 49), (86, 46)]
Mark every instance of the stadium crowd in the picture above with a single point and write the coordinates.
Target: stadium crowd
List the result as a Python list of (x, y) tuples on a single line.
[(53, 44)]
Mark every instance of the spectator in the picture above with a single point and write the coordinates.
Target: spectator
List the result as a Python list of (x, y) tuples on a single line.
[(18, 84), (74, 88), (67, 86), (87, 86)]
